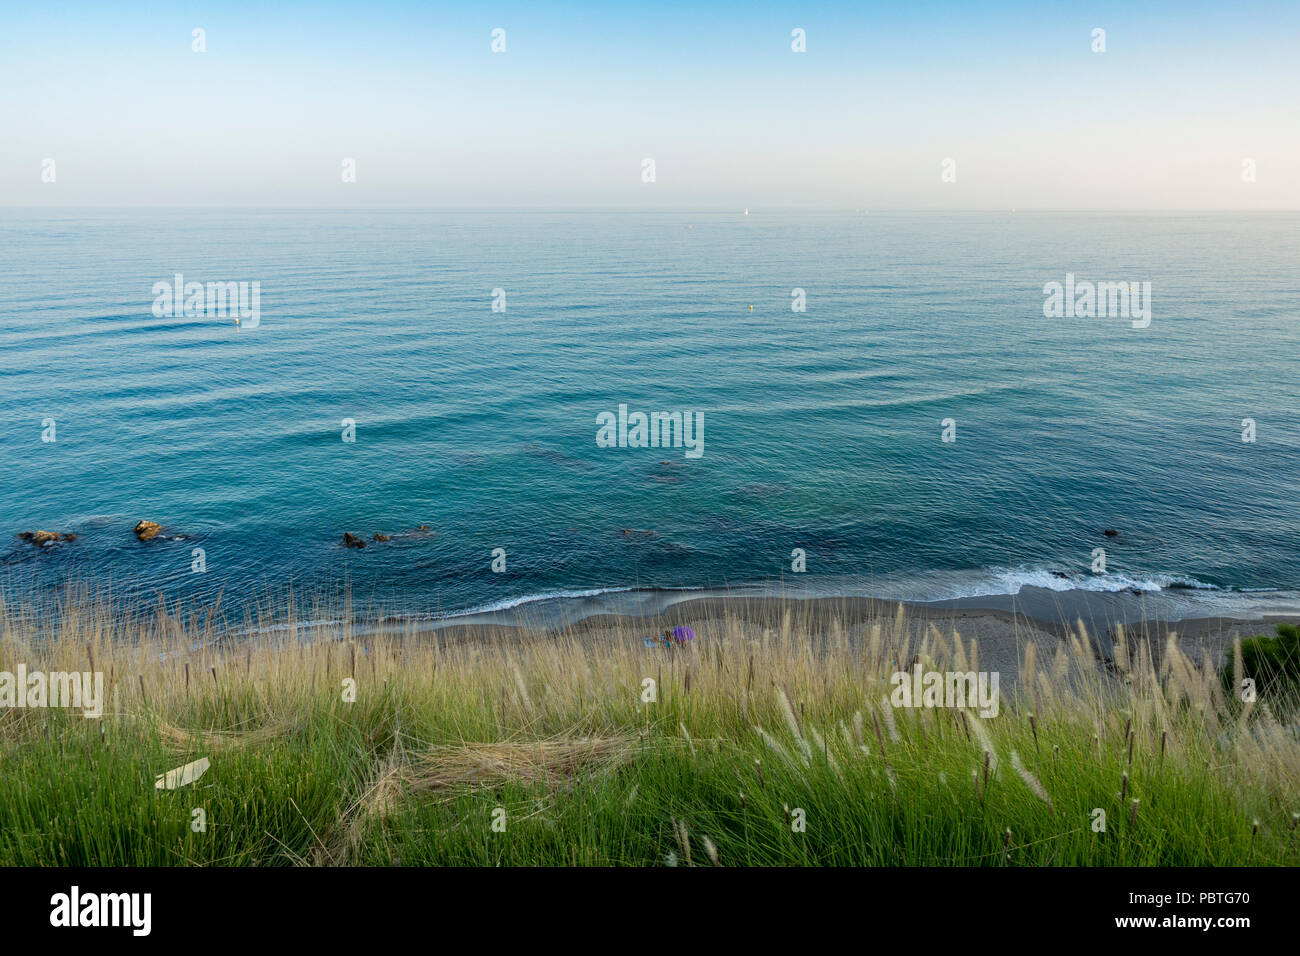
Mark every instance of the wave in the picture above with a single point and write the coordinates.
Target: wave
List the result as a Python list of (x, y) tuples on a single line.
[(506, 604), (579, 599), (1166, 595), (1013, 579)]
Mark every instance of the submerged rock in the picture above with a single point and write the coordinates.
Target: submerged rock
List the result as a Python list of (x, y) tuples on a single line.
[(350, 540), (1111, 533), (41, 538), (147, 529), (380, 536)]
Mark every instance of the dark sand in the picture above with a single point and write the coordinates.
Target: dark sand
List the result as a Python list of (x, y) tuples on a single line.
[(1001, 631)]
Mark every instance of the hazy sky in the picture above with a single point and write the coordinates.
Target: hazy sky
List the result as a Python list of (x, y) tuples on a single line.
[(1013, 92)]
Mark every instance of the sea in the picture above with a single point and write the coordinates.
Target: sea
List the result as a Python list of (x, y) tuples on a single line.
[(881, 403)]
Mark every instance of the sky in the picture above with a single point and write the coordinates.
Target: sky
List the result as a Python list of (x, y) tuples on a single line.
[(1186, 101)]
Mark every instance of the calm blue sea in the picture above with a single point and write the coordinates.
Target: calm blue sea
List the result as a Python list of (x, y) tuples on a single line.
[(822, 429)]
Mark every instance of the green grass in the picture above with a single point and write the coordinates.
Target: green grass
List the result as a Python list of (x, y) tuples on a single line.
[(1273, 662), (553, 731)]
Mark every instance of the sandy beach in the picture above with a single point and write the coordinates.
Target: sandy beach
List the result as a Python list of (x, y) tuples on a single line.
[(1001, 633)]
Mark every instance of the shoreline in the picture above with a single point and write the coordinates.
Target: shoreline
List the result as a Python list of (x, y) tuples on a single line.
[(1052, 610), (1203, 619), (1001, 624)]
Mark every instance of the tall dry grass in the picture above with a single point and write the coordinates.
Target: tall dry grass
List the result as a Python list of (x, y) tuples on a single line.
[(770, 739)]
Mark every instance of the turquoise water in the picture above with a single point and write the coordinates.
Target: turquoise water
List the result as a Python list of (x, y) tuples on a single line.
[(822, 429)]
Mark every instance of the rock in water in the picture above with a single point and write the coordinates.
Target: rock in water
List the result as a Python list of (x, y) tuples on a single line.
[(1111, 533), (380, 536), (147, 529), (42, 538), (350, 540)]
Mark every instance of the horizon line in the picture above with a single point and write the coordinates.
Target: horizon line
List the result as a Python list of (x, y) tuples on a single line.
[(698, 210)]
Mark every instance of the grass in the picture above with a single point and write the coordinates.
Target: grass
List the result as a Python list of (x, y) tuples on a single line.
[(765, 746), (1272, 661)]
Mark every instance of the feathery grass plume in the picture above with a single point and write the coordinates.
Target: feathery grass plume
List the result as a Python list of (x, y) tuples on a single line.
[(958, 653), (758, 767), (1060, 666), (1123, 787), (1131, 738), (1031, 782), (1044, 688), (875, 722), (710, 850), (1034, 727), (793, 724), (857, 727), (523, 689), (775, 746), (828, 753), (1006, 846), (837, 634), (874, 647), (890, 724), (683, 840), (1133, 813), (687, 735), (1238, 666), (986, 744), (1120, 653), (1186, 684)]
